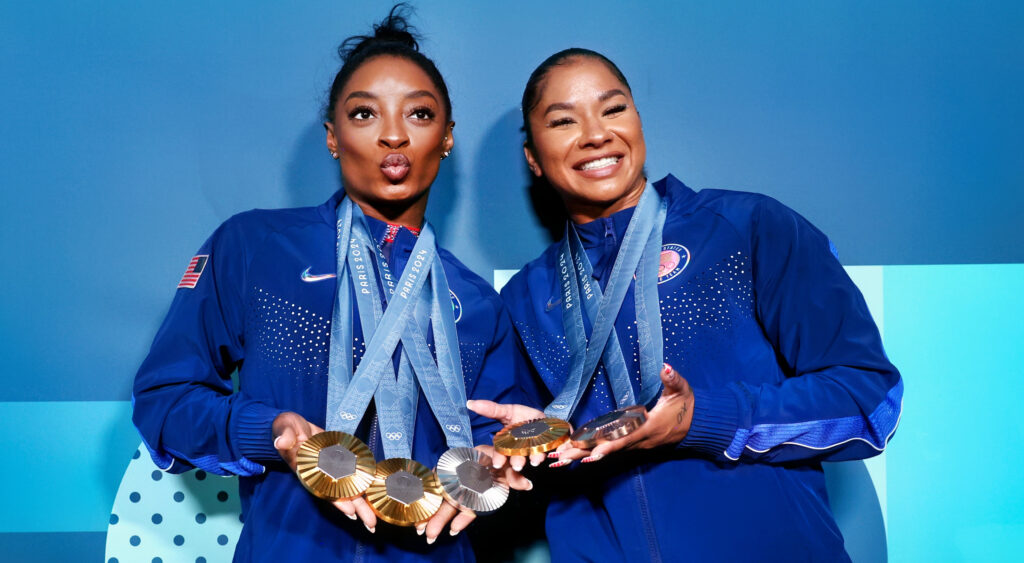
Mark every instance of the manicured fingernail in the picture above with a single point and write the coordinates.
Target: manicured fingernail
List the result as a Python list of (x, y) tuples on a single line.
[(668, 368), (420, 530), (535, 462), (554, 455), (529, 485), (594, 457), (352, 516), (454, 532), (372, 530), (469, 404), (518, 467), (431, 540), (562, 463), (276, 440)]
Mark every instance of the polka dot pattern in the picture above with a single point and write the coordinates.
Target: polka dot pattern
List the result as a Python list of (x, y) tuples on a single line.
[(160, 517)]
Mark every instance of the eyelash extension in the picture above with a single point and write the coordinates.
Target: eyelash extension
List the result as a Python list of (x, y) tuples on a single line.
[(615, 109), (429, 112), (560, 122), (361, 109)]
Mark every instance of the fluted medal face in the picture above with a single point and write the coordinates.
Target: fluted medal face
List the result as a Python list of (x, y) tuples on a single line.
[(467, 479), (335, 465), (532, 436), (404, 492), (610, 426)]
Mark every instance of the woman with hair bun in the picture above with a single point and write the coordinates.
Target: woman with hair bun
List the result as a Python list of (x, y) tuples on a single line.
[(725, 314), (290, 299)]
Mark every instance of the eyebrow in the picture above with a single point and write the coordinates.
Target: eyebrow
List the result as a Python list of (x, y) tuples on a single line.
[(610, 94), (361, 94), (567, 106), (414, 94), (420, 94)]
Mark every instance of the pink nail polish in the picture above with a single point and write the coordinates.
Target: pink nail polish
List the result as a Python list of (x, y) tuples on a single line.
[(554, 455)]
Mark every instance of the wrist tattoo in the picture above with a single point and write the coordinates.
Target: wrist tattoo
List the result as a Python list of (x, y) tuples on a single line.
[(682, 411)]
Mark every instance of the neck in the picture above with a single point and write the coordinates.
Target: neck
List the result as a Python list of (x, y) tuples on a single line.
[(584, 211), (402, 213)]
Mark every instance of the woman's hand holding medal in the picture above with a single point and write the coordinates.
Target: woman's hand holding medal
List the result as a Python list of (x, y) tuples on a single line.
[(507, 415), (667, 424), (290, 431)]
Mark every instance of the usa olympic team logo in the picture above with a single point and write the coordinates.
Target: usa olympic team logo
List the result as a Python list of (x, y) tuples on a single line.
[(456, 305), (674, 259)]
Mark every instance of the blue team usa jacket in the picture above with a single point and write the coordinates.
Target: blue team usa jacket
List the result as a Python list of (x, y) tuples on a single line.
[(258, 299), (787, 369)]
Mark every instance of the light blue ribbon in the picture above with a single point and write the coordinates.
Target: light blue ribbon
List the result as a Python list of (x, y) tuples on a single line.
[(361, 270), (638, 256)]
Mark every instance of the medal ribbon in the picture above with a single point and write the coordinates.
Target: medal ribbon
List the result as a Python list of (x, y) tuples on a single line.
[(441, 381), (638, 255), (395, 398)]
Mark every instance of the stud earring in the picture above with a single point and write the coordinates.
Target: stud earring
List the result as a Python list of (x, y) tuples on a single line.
[(445, 154), (334, 154)]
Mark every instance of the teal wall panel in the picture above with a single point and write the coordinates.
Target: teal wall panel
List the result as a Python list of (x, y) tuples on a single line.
[(953, 469), (64, 461)]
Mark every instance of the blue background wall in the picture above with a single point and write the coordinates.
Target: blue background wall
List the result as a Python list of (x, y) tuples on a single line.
[(129, 131)]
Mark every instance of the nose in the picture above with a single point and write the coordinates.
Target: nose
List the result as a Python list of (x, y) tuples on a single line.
[(392, 133), (594, 133)]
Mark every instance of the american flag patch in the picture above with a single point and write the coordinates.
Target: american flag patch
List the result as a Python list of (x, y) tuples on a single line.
[(194, 270)]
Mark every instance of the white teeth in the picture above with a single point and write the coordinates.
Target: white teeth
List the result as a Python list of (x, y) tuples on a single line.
[(600, 163)]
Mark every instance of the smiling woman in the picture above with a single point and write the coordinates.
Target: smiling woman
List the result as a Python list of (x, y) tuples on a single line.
[(778, 365), (326, 313)]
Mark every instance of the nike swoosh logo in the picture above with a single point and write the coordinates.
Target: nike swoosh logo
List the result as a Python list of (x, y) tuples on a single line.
[(308, 277), (552, 304)]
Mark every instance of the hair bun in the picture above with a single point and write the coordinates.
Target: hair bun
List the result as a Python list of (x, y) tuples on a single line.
[(394, 28)]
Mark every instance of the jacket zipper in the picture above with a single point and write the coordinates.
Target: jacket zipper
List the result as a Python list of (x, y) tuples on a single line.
[(645, 515)]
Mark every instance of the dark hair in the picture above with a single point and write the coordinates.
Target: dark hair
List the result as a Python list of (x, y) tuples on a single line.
[(531, 94), (393, 36)]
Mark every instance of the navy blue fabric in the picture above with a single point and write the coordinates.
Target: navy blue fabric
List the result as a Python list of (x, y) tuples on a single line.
[(787, 368), (251, 311)]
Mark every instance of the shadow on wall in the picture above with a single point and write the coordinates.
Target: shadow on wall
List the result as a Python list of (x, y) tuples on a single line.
[(547, 208), (508, 230), (312, 175), (444, 195), (854, 502)]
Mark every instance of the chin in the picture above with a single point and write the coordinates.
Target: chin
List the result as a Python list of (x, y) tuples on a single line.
[(604, 192), (398, 193)]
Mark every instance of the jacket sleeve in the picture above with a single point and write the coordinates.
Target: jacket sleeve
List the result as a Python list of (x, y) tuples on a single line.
[(841, 398), (503, 366), (184, 403)]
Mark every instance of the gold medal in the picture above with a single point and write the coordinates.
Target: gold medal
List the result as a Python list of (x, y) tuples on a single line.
[(404, 492), (539, 435), (335, 465), (608, 427)]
